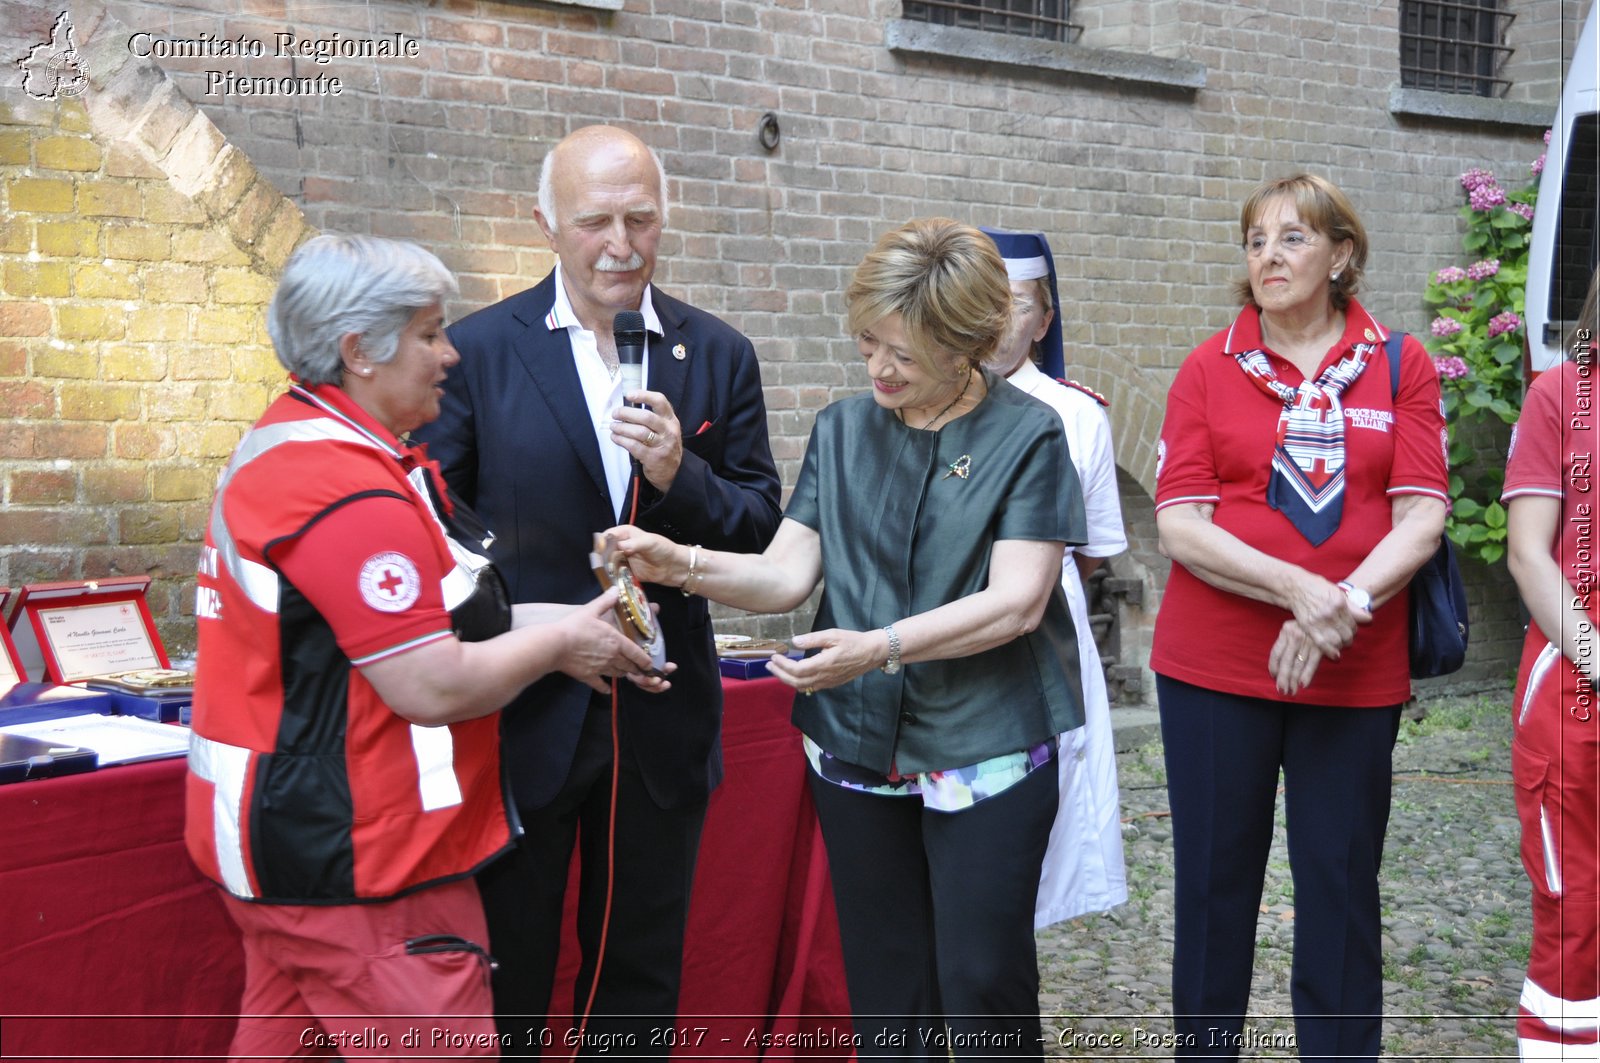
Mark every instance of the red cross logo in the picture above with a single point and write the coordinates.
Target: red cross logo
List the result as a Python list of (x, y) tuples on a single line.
[(389, 582), (391, 579)]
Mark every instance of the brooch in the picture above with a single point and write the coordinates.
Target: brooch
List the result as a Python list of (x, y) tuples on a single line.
[(680, 352), (959, 468)]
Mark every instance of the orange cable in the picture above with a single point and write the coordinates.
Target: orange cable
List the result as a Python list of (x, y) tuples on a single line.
[(611, 834)]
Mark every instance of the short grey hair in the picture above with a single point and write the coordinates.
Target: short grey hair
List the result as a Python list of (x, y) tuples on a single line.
[(547, 194), (340, 283)]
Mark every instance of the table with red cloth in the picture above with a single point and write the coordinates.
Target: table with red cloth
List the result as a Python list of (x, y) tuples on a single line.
[(112, 945)]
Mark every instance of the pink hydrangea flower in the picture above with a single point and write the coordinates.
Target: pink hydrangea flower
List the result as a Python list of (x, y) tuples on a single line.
[(1547, 137), (1450, 367), (1521, 210), (1538, 164), (1476, 178), (1486, 197), (1445, 326), (1503, 323), (1483, 270), (1450, 275)]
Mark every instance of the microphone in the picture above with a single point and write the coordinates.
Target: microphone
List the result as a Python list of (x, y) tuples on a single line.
[(628, 329)]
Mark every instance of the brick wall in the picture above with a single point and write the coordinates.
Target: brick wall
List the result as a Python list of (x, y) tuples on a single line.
[(1137, 184), (135, 256)]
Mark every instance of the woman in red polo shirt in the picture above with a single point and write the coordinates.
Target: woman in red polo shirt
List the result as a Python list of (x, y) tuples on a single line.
[(1550, 497), (1296, 493)]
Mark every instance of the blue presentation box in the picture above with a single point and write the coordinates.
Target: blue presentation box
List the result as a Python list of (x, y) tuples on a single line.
[(749, 667), (31, 702)]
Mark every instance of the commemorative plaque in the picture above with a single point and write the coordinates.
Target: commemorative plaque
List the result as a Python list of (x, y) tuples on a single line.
[(634, 615), (85, 629)]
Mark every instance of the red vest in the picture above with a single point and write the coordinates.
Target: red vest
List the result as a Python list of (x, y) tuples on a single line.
[(304, 787)]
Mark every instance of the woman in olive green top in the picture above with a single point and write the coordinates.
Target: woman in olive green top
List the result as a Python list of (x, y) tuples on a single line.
[(944, 661)]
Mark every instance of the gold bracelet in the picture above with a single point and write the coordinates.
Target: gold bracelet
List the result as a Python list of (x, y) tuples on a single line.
[(690, 577)]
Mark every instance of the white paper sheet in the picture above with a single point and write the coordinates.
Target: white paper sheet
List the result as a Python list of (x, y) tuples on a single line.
[(117, 739)]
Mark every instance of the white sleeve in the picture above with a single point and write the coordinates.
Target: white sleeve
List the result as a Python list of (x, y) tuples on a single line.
[(1089, 437)]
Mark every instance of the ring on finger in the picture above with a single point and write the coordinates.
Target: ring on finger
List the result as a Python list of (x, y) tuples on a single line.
[(650, 438)]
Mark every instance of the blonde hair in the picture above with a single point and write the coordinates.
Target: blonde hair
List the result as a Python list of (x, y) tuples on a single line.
[(947, 282), (1325, 209)]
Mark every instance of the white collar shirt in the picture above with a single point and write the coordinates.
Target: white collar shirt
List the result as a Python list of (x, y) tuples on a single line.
[(602, 387)]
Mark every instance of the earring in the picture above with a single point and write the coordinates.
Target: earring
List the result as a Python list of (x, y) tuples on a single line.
[(1336, 276)]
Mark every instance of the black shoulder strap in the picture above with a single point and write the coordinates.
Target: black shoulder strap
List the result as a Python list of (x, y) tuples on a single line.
[(1391, 347)]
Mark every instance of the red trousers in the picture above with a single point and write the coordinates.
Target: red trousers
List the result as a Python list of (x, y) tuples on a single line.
[(393, 980), (1555, 761)]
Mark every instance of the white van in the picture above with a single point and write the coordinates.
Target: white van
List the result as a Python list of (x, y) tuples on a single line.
[(1566, 221)]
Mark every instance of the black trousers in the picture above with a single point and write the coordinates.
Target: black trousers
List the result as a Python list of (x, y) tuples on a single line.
[(1223, 755), (936, 918), (523, 892)]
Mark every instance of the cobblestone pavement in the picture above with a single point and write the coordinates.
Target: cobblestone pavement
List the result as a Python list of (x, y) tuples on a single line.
[(1456, 923)]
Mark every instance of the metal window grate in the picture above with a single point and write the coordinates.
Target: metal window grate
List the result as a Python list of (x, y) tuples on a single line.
[(1044, 19), (1454, 46)]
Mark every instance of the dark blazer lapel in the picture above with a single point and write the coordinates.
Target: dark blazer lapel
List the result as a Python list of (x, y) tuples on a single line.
[(547, 356), (669, 374)]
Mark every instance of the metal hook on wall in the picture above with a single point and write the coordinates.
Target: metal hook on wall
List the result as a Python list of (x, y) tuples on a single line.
[(767, 131)]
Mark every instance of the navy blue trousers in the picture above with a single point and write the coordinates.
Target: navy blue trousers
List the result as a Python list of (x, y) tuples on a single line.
[(1223, 755)]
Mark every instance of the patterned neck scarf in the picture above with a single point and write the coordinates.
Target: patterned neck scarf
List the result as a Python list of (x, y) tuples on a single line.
[(1307, 482)]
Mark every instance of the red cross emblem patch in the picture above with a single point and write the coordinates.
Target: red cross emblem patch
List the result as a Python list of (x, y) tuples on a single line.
[(389, 582)]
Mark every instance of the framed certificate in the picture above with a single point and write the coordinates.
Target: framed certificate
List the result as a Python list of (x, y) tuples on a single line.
[(82, 629)]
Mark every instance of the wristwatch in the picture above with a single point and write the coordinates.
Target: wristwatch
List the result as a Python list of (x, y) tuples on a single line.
[(892, 665), (1355, 595)]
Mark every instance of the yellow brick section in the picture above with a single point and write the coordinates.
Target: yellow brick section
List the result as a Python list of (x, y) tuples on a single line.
[(34, 279), (68, 239), (39, 195), (132, 299), (16, 147), (67, 153)]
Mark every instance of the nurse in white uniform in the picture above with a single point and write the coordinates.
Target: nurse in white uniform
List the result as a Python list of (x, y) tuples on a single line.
[(1083, 867)]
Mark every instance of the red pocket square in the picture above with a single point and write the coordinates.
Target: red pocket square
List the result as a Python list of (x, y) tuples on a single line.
[(702, 429)]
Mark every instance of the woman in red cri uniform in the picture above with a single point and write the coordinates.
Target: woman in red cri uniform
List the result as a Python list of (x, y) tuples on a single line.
[(1296, 493), (1550, 495), (354, 646)]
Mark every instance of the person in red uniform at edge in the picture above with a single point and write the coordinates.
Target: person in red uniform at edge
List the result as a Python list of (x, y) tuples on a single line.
[(1296, 494), (1550, 496), (354, 647)]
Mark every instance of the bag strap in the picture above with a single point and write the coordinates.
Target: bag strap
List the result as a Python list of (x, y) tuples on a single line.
[(1391, 347)]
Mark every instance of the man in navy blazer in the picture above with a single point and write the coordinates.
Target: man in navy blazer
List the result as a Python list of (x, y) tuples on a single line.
[(534, 437)]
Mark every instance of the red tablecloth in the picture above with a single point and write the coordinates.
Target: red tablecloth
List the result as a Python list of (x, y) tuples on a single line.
[(111, 943)]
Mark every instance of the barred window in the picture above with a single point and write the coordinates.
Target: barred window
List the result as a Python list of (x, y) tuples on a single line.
[(1044, 19), (1454, 46)]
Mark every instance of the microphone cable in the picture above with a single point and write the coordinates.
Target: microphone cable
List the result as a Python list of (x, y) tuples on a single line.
[(611, 826)]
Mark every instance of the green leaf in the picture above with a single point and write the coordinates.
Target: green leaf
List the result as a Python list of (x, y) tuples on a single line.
[(1490, 553), (1494, 515), (1466, 509)]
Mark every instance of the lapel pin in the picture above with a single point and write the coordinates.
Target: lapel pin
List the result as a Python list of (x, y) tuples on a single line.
[(680, 352), (960, 468), (1372, 337)]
